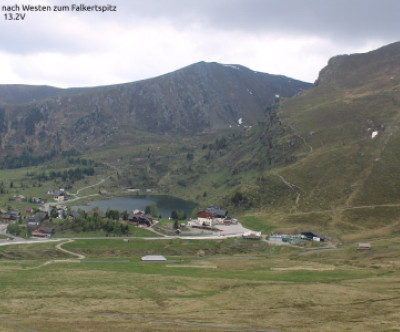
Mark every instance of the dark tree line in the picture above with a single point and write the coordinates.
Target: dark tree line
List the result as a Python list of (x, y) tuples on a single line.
[(26, 159), (71, 175), (92, 221), (178, 215)]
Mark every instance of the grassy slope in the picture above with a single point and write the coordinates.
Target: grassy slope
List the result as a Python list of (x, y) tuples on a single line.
[(348, 178), (237, 284)]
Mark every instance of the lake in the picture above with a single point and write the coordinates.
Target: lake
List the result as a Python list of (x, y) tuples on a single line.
[(165, 204)]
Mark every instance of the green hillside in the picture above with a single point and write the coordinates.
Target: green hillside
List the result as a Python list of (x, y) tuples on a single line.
[(348, 165)]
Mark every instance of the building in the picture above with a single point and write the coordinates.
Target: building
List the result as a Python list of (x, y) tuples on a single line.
[(211, 216), (140, 219), (153, 258), (43, 231), (19, 198), (218, 214), (312, 236), (59, 198), (251, 235), (6, 218), (364, 246), (33, 221), (205, 219)]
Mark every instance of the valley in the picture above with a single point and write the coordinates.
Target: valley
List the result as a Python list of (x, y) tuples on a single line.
[(286, 158)]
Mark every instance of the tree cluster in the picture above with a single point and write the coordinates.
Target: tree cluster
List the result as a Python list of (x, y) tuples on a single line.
[(152, 210), (92, 221), (26, 159), (178, 215), (71, 175), (13, 229)]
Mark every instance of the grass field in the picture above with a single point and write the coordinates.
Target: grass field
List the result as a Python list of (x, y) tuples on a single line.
[(205, 285)]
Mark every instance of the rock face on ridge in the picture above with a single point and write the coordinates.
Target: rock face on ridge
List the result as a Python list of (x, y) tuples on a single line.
[(362, 70)]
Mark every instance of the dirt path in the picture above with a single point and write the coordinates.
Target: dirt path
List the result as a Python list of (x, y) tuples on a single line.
[(93, 185), (58, 246), (67, 260)]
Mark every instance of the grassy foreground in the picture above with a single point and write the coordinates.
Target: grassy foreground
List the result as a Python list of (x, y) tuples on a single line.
[(204, 286)]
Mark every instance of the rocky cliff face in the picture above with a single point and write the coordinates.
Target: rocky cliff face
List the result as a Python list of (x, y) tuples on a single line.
[(374, 70), (198, 98)]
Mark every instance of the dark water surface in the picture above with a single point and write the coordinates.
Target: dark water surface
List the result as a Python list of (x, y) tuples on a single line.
[(165, 204)]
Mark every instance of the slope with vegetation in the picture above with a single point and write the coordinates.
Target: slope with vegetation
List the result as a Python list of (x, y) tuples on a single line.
[(346, 171)]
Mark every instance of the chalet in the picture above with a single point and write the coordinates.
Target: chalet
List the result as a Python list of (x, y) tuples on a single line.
[(36, 200), (205, 219), (43, 231), (15, 215), (140, 219), (211, 216), (6, 218), (46, 230), (58, 195), (28, 210), (59, 198), (33, 221), (19, 198)]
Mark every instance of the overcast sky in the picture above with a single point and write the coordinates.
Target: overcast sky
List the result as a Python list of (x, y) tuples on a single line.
[(147, 38)]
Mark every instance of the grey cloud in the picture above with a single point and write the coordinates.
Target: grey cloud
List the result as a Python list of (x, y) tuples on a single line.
[(342, 21), (346, 20)]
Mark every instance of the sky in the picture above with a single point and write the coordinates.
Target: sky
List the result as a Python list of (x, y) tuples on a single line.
[(148, 38)]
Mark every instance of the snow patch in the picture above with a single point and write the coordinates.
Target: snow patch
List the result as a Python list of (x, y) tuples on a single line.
[(240, 121), (249, 91), (232, 66), (374, 134)]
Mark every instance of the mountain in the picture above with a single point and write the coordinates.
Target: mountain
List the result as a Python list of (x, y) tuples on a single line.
[(203, 97), (344, 168)]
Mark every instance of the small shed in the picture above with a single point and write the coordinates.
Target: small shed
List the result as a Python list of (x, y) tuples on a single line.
[(153, 258), (364, 246)]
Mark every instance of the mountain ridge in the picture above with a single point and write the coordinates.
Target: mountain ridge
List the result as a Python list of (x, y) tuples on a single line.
[(202, 97)]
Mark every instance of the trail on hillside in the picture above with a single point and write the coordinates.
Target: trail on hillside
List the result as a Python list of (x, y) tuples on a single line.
[(58, 246), (51, 261), (292, 186), (93, 185), (297, 134)]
